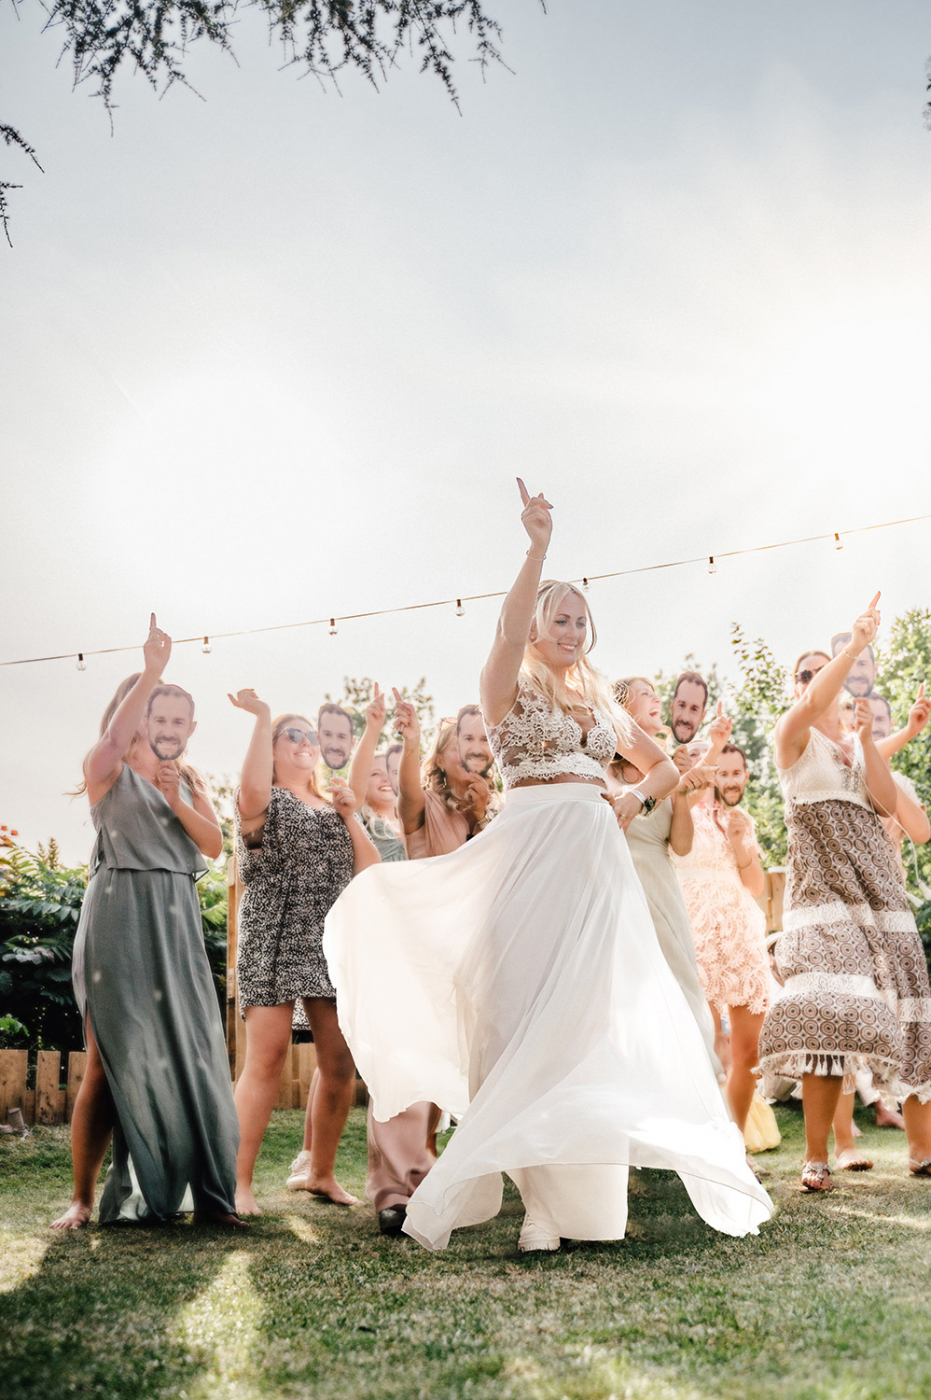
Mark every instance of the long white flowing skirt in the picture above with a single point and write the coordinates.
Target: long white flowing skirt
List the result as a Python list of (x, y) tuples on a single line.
[(518, 982)]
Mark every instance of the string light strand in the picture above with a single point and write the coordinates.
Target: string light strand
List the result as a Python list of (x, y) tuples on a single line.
[(704, 559)]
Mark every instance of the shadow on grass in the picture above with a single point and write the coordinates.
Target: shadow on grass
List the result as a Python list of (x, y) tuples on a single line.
[(311, 1301)]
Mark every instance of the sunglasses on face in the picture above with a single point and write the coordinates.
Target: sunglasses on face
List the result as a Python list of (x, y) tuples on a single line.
[(297, 736), (806, 677)]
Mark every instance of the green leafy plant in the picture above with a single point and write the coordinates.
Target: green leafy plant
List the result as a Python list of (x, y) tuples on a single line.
[(40, 904)]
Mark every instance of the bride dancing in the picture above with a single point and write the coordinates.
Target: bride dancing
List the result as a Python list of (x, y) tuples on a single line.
[(518, 981)]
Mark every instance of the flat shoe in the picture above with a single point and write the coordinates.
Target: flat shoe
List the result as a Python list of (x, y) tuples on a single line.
[(391, 1219), (532, 1238), (919, 1168), (816, 1176), (850, 1160)]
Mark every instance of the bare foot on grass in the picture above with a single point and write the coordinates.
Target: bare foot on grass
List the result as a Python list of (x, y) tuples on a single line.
[(220, 1217), (888, 1118), (74, 1218), (329, 1189)]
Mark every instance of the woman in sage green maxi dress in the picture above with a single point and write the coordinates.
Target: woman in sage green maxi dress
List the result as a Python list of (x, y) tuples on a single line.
[(158, 1072)]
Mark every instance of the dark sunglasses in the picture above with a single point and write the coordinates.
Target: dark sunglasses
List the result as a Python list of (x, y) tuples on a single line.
[(806, 677), (297, 736)]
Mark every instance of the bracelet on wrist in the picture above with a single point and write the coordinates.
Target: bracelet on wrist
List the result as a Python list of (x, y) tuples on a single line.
[(537, 559), (854, 656)]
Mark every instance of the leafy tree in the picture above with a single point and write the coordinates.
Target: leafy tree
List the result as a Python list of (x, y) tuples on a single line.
[(322, 37), (358, 691), (40, 903)]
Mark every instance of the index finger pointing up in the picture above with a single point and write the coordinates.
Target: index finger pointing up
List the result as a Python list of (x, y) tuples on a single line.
[(151, 622), (524, 493), (874, 602)]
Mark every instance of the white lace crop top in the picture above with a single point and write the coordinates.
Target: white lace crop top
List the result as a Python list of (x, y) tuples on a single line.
[(821, 775), (535, 741)]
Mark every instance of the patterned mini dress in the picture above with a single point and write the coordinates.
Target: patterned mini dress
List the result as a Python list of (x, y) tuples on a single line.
[(855, 981), (292, 879)]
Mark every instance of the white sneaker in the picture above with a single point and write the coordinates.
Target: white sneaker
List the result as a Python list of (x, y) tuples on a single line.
[(533, 1238), (299, 1180)]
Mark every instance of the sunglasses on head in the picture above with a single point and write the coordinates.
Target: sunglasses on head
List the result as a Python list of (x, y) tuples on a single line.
[(297, 736)]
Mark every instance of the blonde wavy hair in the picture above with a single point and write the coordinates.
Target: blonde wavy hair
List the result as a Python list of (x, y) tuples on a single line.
[(621, 689), (279, 725), (581, 680)]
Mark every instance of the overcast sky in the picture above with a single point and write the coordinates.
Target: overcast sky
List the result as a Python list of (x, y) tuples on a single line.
[(280, 353)]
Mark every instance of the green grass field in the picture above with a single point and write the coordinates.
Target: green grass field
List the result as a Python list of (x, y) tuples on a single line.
[(828, 1303)]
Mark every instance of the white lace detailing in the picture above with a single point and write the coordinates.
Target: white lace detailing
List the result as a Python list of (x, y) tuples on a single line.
[(804, 916), (535, 741), (821, 775)]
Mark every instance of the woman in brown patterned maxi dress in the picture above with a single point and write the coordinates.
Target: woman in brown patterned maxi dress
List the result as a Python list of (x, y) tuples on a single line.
[(855, 991)]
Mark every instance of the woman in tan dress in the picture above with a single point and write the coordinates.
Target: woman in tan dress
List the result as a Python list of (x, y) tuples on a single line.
[(855, 981)]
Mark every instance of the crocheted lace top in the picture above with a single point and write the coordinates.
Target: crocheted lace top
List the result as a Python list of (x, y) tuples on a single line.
[(821, 775), (535, 741)]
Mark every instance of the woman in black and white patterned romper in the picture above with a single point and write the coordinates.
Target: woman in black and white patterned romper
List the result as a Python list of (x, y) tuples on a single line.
[(296, 853)]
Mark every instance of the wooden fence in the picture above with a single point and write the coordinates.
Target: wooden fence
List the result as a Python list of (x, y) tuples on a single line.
[(56, 1086)]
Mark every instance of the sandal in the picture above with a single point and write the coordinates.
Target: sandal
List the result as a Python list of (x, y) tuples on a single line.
[(919, 1168), (850, 1160), (816, 1176)]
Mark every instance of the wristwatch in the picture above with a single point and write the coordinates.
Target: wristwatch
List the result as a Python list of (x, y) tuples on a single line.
[(647, 803)]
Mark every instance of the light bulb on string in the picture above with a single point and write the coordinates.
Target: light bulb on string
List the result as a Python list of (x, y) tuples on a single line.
[(206, 648), (838, 542), (460, 610), (585, 585), (333, 627), (712, 566), (81, 663)]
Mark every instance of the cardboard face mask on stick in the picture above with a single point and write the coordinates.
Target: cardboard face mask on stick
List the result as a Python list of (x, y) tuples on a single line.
[(862, 673), (687, 707), (474, 750), (337, 736)]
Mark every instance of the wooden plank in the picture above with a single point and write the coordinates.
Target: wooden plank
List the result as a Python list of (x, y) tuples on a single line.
[(29, 1107), (777, 897), (48, 1092), (285, 1097), (13, 1067), (362, 1093), (77, 1066), (306, 1064)]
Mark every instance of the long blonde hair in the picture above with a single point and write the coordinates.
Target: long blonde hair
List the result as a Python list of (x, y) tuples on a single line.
[(581, 680), (278, 727), (621, 689)]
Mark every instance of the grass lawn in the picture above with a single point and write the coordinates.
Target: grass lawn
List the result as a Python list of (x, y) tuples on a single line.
[(829, 1301)]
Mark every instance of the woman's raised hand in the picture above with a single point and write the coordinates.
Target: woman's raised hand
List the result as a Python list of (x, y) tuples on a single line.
[(865, 628), (863, 720), (248, 700), (157, 649), (344, 800), (719, 730), (406, 722), (537, 520), (918, 714), (375, 711)]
